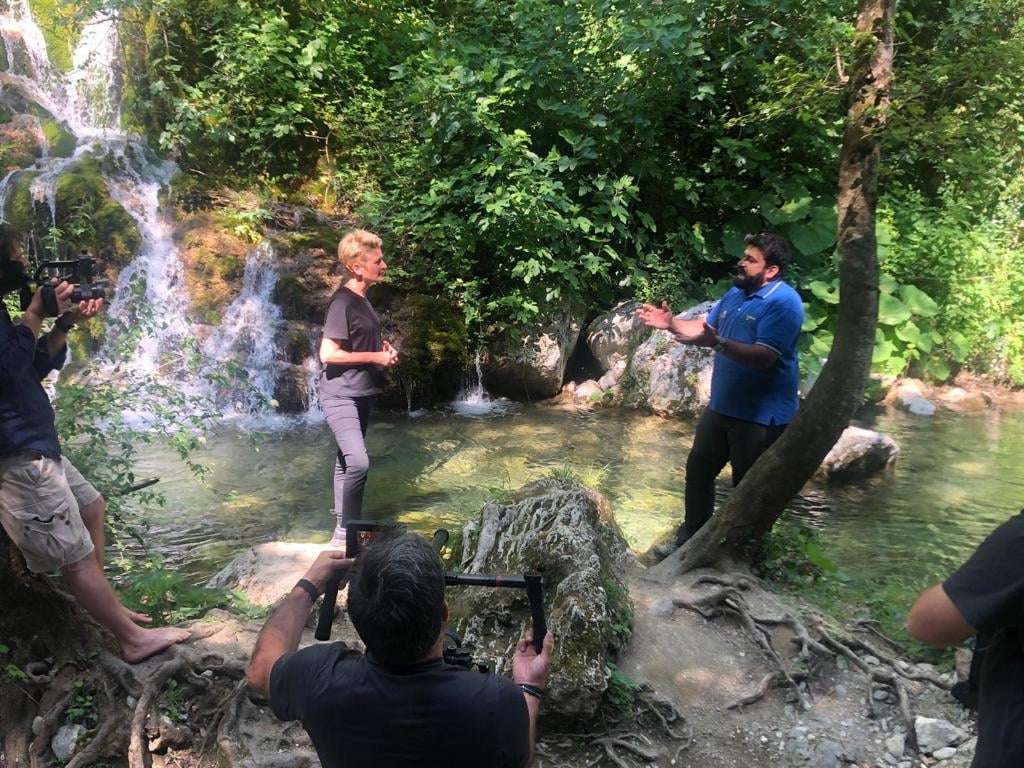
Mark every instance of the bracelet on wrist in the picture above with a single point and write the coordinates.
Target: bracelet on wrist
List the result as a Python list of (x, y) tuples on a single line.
[(533, 690), (63, 323), (309, 588)]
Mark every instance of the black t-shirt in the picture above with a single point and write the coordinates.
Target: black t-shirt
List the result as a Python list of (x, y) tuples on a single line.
[(352, 322), (989, 591), (360, 713)]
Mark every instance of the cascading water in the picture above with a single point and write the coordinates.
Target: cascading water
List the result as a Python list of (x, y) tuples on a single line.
[(246, 333), (474, 400), (151, 289)]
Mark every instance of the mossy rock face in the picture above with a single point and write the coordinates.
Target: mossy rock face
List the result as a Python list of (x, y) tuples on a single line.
[(87, 214), (60, 31), (60, 140), (566, 532), (214, 261), (19, 142), (434, 347)]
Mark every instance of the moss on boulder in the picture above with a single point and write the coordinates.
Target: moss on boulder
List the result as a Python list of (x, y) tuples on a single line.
[(60, 30), (566, 532), (431, 334), (214, 261)]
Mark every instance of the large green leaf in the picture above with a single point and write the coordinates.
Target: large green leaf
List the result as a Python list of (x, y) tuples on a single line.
[(814, 315), (796, 202), (816, 234), (958, 346), (911, 334), (918, 302), (892, 311), (827, 292), (936, 368), (883, 351), (821, 344), (736, 229)]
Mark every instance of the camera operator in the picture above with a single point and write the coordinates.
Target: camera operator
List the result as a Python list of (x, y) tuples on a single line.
[(51, 513), (399, 704)]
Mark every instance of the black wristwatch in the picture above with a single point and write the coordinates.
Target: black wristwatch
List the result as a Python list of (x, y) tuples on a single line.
[(64, 323), (720, 346)]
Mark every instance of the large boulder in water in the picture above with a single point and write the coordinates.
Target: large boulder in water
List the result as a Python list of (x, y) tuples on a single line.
[(858, 453), (613, 336), (532, 367), (566, 532), (671, 379)]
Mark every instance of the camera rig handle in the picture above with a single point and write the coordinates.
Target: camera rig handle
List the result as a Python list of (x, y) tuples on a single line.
[(530, 581), (325, 618)]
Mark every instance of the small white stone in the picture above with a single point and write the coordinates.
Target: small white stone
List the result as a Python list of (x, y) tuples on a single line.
[(944, 754)]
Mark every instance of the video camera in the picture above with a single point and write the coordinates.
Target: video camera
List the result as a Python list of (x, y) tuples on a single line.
[(359, 534), (79, 272)]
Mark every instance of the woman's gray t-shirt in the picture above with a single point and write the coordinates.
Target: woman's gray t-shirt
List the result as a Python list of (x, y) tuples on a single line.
[(353, 324)]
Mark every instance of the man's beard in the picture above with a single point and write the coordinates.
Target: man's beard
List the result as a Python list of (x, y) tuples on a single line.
[(748, 283)]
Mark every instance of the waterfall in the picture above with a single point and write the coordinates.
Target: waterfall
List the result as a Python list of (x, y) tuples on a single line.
[(474, 400), (246, 333)]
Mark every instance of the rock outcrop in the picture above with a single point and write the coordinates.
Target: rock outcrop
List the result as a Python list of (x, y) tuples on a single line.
[(533, 367), (613, 336), (566, 532), (858, 453), (671, 379)]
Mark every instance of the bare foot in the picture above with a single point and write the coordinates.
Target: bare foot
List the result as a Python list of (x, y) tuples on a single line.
[(151, 641), (139, 618)]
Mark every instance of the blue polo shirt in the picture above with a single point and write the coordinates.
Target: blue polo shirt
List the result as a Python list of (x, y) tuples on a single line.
[(771, 316), (26, 416)]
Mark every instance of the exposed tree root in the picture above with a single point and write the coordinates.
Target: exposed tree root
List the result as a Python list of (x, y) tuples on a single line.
[(815, 645)]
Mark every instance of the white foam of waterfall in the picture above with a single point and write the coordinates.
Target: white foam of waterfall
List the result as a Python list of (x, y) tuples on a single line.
[(247, 332), (474, 400)]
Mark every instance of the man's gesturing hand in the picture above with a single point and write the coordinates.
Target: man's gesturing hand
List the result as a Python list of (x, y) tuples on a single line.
[(656, 317), (527, 665)]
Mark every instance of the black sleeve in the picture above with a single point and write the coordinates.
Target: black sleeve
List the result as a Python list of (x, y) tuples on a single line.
[(989, 588), (292, 676), (43, 363), (336, 322), (513, 723)]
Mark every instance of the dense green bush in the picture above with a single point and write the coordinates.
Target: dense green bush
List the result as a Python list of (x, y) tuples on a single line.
[(527, 156)]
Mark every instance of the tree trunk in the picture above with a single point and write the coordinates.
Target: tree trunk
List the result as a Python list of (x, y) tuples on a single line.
[(780, 473)]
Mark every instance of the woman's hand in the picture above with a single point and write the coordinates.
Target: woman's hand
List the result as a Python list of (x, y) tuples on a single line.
[(389, 355)]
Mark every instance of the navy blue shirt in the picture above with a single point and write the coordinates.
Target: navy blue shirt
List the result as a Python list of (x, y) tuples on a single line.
[(26, 416), (361, 714), (771, 317)]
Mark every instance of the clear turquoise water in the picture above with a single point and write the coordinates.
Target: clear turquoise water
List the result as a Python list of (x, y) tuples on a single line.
[(957, 477)]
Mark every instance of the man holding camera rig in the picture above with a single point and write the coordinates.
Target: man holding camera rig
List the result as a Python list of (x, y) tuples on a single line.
[(399, 704), (51, 513)]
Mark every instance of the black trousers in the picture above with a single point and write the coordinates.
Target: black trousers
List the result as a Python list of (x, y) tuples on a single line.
[(720, 439)]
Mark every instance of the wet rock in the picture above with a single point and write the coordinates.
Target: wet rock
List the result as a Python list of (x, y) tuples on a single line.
[(828, 754), (911, 395), (612, 375), (963, 401), (589, 391), (933, 734), (566, 532), (533, 367), (291, 388), (613, 336), (671, 379), (65, 741), (857, 454)]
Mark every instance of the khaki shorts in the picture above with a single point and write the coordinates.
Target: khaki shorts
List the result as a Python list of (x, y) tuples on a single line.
[(39, 503)]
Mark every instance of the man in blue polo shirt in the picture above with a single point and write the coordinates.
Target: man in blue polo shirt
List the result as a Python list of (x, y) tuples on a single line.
[(754, 331)]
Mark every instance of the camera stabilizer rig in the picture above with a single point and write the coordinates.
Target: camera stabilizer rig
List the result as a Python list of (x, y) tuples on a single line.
[(360, 533), (78, 272)]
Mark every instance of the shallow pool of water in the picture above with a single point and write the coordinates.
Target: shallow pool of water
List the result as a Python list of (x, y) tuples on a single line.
[(955, 480)]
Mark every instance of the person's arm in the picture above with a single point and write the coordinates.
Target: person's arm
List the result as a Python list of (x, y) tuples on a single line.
[(754, 355), (57, 337), (332, 352), (935, 620), (684, 331), (531, 669), (283, 630)]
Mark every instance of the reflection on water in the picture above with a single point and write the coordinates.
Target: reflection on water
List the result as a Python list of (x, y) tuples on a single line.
[(955, 480)]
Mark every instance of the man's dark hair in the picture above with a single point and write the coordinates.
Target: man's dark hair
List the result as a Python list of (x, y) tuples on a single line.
[(396, 597), (774, 248)]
